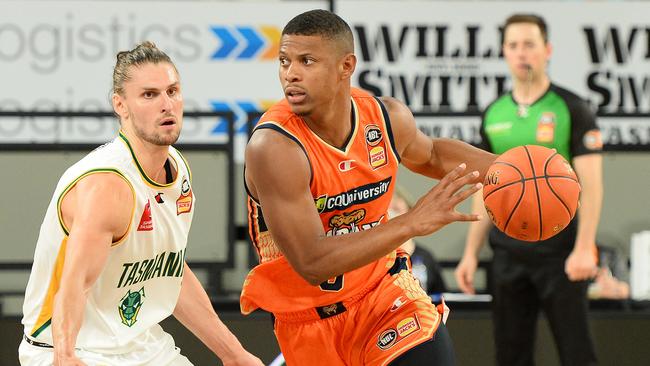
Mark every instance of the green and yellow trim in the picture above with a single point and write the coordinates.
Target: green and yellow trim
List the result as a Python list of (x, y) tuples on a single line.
[(144, 175), (187, 166), (45, 316), (67, 189)]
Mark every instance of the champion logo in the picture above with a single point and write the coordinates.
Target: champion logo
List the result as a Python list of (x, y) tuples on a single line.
[(146, 224), (159, 198), (347, 165), (398, 303)]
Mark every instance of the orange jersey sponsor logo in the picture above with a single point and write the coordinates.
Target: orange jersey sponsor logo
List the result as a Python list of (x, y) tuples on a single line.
[(353, 217), (404, 328), (355, 196), (407, 326), (377, 157)]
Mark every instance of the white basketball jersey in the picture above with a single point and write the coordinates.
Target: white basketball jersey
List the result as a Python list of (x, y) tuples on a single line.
[(140, 283)]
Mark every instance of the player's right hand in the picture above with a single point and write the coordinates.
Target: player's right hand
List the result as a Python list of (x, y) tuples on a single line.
[(243, 359), (67, 361), (464, 274), (437, 207)]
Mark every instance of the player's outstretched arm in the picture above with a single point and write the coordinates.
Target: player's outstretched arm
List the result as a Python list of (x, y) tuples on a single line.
[(194, 310), (97, 211), (290, 213), (431, 157)]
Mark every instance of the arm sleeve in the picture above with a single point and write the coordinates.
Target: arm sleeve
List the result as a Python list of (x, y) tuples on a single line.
[(485, 142), (585, 135)]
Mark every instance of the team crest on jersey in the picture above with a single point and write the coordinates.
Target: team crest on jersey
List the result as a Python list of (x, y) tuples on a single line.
[(546, 127), (130, 306), (184, 201)]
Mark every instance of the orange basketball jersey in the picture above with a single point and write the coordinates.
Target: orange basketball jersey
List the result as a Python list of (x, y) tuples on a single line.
[(352, 188)]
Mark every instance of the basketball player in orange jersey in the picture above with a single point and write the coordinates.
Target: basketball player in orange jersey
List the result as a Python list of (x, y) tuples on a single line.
[(320, 171)]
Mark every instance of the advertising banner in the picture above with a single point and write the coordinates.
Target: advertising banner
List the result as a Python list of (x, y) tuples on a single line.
[(59, 56), (444, 59)]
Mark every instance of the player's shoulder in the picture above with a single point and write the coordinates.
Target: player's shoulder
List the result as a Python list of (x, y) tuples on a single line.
[(366, 100), (106, 157), (273, 139), (569, 97), (279, 113), (395, 108), (276, 125)]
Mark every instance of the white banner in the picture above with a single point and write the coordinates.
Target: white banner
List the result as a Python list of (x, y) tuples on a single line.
[(441, 58), (59, 56), (445, 57)]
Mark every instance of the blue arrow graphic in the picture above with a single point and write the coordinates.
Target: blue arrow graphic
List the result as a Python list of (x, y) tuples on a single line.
[(247, 107), (221, 126), (255, 42), (240, 109), (228, 42)]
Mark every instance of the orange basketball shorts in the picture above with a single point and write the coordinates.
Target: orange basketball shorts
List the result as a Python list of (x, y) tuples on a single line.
[(371, 329)]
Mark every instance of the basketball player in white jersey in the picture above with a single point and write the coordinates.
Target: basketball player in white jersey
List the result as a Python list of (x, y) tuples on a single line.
[(110, 258)]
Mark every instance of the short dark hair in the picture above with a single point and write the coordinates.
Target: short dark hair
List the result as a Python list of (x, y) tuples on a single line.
[(528, 18), (321, 23)]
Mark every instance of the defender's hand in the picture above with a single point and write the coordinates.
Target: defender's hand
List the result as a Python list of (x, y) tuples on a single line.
[(67, 361), (243, 359)]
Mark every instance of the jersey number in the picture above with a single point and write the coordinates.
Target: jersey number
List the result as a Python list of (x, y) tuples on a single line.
[(333, 284)]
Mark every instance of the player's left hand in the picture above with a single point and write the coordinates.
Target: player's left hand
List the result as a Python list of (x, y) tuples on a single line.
[(243, 359), (581, 265)]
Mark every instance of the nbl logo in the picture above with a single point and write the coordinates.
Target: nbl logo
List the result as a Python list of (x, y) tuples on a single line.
[(373, 135)]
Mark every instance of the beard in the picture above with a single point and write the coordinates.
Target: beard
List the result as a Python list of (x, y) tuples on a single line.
[(156, 138)]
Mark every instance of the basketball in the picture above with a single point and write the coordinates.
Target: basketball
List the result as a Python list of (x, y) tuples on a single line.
[(531, 193)]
